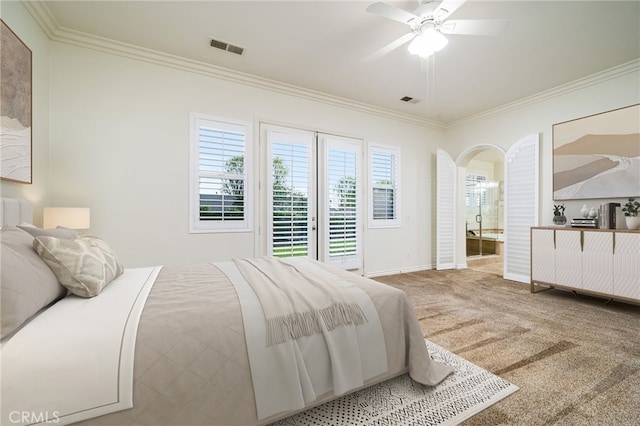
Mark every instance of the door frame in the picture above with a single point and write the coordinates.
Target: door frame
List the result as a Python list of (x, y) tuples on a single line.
[(527, 145), (312, 185), (325, 142), (262, 240)]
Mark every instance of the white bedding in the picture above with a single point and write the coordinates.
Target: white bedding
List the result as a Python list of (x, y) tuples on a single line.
[(339, 360), (90, 341), (191, 359)]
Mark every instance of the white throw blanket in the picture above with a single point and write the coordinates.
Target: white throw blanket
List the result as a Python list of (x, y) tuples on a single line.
[(298, 302), (336, 360)]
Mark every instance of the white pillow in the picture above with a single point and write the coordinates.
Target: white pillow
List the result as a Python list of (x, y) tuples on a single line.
[(58, 232)]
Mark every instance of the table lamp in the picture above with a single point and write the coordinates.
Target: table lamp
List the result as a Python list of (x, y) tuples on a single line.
[(67, 217)]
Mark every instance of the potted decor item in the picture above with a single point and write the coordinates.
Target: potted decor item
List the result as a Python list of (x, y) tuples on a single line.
[(558, 214), (631, 212)]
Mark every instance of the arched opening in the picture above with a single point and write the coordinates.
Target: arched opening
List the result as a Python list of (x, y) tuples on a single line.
[(481, 207)]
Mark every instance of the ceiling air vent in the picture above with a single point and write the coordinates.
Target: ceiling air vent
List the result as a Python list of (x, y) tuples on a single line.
[(410, 100), (235, 49), (227, 47)]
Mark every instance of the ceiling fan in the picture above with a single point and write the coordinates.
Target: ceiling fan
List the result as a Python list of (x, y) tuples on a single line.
[(429, 24)]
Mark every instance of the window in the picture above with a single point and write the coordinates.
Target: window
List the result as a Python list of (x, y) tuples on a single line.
[(384, 180), (475, 191), (220, 180)]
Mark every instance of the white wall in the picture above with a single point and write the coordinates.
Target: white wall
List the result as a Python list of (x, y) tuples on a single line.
[(111, 133), (616, 88), (120, 144), (20, 21)]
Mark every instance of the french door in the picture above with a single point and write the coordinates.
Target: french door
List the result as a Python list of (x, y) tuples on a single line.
[(313, 195)]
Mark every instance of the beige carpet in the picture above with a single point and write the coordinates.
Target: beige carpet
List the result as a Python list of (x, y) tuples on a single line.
[(575, 358)]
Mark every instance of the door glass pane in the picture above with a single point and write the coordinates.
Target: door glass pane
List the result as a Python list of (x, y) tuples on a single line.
[(342, 202), (290, 163), (482, 199)]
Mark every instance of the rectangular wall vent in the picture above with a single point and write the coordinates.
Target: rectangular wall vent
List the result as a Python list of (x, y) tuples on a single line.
[(235, 49), (410, 100), (227, 47), (219, 44)]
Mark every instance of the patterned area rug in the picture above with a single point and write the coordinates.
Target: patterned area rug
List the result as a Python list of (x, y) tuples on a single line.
[(401, 401)]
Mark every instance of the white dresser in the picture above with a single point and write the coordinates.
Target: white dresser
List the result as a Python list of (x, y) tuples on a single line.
[(602, 262)]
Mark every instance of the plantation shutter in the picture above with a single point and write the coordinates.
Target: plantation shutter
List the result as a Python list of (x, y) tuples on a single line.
[(445, 211), (384, 179), (521, 206), (219, 175), (341, 200), (292, 190)]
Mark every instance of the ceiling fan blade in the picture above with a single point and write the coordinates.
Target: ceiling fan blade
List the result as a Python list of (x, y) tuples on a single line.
[(447, 7), (485, 27), (392, 12), (389, 47)]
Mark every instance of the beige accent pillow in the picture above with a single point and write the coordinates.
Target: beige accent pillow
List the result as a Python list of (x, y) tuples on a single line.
[(84, 266), (58, 232), (27, 283)]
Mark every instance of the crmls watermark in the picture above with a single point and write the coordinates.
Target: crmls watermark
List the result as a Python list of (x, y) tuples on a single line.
[(30, 417)]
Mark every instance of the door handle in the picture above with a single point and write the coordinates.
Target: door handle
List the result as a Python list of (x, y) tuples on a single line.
[(478, 220)]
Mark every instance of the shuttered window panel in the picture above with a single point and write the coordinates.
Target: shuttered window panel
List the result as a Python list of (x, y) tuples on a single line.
[(290, 191), (384, 181), (219, 175), (341, 192), (472, 193), (521, 206), (445, 211), (343, 201)]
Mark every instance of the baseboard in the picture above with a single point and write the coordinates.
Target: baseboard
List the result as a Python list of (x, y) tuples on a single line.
[(398, 271)]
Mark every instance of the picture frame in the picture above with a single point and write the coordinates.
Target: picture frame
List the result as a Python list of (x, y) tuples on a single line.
[(598, 156), (16, 107)]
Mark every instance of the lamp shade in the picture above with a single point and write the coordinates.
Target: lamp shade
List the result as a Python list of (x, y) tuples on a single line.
[(68, 217)]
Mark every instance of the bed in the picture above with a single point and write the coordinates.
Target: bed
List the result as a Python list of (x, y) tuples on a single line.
[(190, 344)]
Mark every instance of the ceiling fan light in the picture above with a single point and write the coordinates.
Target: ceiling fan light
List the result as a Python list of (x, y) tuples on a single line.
[(427, 42), (420, 46), (438, 41), (414, 46), (435, 39)]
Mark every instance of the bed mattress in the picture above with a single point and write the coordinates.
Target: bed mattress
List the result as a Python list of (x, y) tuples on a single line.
[(191, 364)]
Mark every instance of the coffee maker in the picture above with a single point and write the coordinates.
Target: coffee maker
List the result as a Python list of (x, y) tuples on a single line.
[(607, 214)]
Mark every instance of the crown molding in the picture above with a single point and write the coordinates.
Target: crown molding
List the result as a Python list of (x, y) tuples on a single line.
[(43, 17), (40, 12), (602, 76)]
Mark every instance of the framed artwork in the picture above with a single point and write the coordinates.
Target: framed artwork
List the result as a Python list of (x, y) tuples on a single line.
[(15, 107), (597, 156)]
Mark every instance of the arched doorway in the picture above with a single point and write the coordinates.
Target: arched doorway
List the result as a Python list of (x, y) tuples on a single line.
[(521, 194), (481, 186)]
